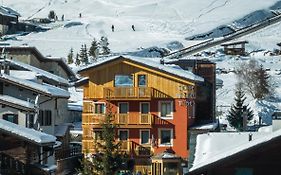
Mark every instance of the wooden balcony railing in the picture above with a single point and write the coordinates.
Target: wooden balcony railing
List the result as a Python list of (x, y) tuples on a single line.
[(120, 119), (136, 149), (115, 93)]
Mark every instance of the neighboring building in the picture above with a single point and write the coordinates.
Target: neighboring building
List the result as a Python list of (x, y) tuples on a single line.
[(25, 151), (52, 102), (153, 104), (205, 92), (31, 56), (8, 20), (256, 153), (235, 48)]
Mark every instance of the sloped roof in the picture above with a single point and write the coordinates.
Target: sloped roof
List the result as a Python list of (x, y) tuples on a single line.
[(41, 88), (46, 75), (7, 11), (148, 62), (15, 102), (28, 134), (42, 58), (212, 148)]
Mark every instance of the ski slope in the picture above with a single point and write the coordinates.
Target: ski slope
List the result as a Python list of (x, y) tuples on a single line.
[(157, 22)]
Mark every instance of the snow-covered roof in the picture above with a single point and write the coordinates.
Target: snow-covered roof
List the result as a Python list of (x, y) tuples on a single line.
[(61, 130), (14, 102), (31, 135), (6, 11), (213, 147), (75, 107), (40, 72), (165, 155), (41, 88), (148, 62), (209, 126)]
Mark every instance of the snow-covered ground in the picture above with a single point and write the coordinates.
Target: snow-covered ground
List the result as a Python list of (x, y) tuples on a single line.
[(157, 23)]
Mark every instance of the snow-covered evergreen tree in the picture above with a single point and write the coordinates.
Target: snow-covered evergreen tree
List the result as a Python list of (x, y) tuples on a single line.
[(70, 56), (94, 50), (77, 60), (84, 54), (238, 110), (104, 46)]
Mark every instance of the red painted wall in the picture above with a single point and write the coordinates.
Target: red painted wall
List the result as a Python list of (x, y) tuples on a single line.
[(179, 124)]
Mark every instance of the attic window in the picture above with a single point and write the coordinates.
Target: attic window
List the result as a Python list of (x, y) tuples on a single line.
[(123, 80)]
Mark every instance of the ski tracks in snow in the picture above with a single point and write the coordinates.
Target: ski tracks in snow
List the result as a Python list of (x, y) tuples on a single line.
[(212, 9)]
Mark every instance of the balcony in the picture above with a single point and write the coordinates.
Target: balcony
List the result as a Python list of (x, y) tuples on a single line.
[(128, 93), (129, 147), (136, 149), (124, 120)]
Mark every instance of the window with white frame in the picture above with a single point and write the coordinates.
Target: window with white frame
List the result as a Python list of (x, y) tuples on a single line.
[(99, 108), (166, 109), (165, 137), (144, 136), (123, 135)]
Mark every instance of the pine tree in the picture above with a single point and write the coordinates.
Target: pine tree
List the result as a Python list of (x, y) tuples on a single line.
[(94, 50), (235, 116), (262, 86), (77, 60), (84, 54), (104, 45), (86, 166), (70, 56), (108, 158)]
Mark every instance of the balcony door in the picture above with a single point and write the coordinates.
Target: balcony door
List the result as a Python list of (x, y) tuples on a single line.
[(142, 84), (123, 113), (144, 113), (124, 137)]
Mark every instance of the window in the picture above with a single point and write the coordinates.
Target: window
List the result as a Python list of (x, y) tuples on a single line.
[(98, 135), (29, 120), (142, 80), (144, 108), (144, 136), (123, 108), (99, 108), (123, 135), (11, 118), (45, 117), (166, 109), (123, 80), (166, 137)]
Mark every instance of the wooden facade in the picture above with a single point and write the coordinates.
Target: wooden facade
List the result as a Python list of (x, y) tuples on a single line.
[(143, 108)]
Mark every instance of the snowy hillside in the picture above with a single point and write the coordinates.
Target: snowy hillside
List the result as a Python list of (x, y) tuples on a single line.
[(157, 22)]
